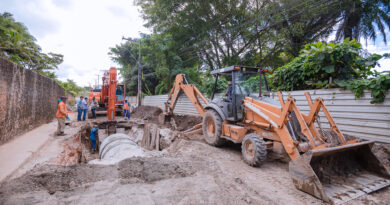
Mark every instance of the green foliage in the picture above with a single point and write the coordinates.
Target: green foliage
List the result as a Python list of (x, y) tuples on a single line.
[(19, 46), (251, 32), (161, 62), (362, 18), (378, 86), (71, 86), (208, 85), (324, 65)]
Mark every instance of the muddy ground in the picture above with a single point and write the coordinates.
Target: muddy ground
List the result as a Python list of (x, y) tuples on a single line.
[(188, 172)]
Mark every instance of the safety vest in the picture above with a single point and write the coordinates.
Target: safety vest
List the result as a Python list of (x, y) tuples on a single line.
[(61, 110), (126, 106)]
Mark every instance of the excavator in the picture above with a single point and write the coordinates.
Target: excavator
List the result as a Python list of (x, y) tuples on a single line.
[(323, 163), (110, 92)]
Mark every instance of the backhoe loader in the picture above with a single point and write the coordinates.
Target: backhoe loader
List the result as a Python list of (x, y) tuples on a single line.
[(324, 163)]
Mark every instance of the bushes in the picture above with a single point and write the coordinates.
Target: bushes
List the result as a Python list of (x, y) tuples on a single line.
[(323, 65), (378, 86), (331, 65)]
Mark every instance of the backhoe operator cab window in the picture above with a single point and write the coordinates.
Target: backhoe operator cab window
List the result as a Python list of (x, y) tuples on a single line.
[(120, 93), (246, 81)]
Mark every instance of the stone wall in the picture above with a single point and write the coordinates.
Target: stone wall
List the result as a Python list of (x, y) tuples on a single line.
[(27, 100)]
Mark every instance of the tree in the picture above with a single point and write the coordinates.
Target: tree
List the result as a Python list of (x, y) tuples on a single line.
[(325, 65), (362, 18), (19, 46), (161, 62), (251, 32), (71, 86)]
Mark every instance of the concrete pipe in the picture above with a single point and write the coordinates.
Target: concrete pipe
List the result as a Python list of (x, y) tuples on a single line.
[(119, 146)]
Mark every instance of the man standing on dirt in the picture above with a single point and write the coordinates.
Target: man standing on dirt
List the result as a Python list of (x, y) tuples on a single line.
[(93, 105), (126, 110), (61, 114), (85, 108), (80, 108)]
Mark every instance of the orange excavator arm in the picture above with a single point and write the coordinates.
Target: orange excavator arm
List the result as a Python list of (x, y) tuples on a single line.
[(112, 84), (190, 90)]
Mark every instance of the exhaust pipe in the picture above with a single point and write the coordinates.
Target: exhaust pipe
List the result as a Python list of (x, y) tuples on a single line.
[(339, 174)]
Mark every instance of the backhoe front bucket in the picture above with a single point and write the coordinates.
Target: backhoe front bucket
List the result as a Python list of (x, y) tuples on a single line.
[(339, 174)]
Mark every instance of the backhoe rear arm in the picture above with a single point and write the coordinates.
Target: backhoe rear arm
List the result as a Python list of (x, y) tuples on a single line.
[(190, 90)]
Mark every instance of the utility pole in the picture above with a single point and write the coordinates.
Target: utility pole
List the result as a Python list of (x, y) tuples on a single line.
[(97, 81), (139, 70), (139, 76)]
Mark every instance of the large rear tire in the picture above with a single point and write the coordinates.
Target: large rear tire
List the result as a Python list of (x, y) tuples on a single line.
[(254, 150), (212, 128)]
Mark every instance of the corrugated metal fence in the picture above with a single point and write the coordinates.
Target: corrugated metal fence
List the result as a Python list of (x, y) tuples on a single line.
[(357, 117)]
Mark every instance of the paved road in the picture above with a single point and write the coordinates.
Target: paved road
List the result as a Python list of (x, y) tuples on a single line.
[(16, 152)]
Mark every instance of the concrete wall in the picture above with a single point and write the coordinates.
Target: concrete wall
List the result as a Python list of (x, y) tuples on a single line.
[(27, 100), (357, 117)]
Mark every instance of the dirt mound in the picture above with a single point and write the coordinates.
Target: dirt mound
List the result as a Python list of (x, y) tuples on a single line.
[(153, 169), (145, 112), (54, 178), (184, 122), (382, 151), (151, 113)]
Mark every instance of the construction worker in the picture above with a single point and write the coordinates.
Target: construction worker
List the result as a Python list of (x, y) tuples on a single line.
[(85, 108), (93, 105), (229, 92), (80, 108), (61, 114), (126, 110), (93, 134)]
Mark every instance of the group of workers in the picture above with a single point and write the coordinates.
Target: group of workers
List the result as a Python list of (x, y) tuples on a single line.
[(82, 109)]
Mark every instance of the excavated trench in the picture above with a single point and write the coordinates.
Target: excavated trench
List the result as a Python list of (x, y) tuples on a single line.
[(165, 160), (77, 166)]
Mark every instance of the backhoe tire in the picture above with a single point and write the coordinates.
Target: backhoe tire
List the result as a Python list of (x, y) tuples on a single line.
[(212, 128), (254, 150)]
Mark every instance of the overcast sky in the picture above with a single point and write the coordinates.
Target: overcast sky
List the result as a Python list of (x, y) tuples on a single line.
[(84, 30), (81, 30)]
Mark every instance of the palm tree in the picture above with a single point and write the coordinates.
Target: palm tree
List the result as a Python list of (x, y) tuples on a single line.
[(362, 18)]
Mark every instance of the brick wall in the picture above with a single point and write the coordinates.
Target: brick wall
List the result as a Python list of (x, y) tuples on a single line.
[(27, 100)]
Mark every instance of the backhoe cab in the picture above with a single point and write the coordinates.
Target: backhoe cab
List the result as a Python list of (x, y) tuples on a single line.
[(324, 163), (246, 81)]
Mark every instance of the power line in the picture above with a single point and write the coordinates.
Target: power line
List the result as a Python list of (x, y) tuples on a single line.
[(318, 5)]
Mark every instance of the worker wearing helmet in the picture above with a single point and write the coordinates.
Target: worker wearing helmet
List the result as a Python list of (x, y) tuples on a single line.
[(126, 110), (61, 114)]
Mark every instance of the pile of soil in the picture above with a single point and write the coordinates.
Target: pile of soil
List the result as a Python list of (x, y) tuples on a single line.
[(382, 152), (145, 112), (184, 122), (54, 178), (151, 113)]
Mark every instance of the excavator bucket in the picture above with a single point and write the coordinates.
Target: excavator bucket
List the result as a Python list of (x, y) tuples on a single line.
[(339, 174)]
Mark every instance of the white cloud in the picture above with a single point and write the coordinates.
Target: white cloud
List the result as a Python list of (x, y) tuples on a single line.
[(83, 31), (379, 47)]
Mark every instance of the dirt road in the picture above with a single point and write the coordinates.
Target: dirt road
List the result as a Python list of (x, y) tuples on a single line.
[(188, 172)]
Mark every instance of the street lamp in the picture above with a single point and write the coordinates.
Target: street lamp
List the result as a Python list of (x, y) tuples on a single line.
[(139, 68)]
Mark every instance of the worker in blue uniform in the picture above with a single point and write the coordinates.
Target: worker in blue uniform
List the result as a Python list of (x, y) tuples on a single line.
[(93, 134)]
